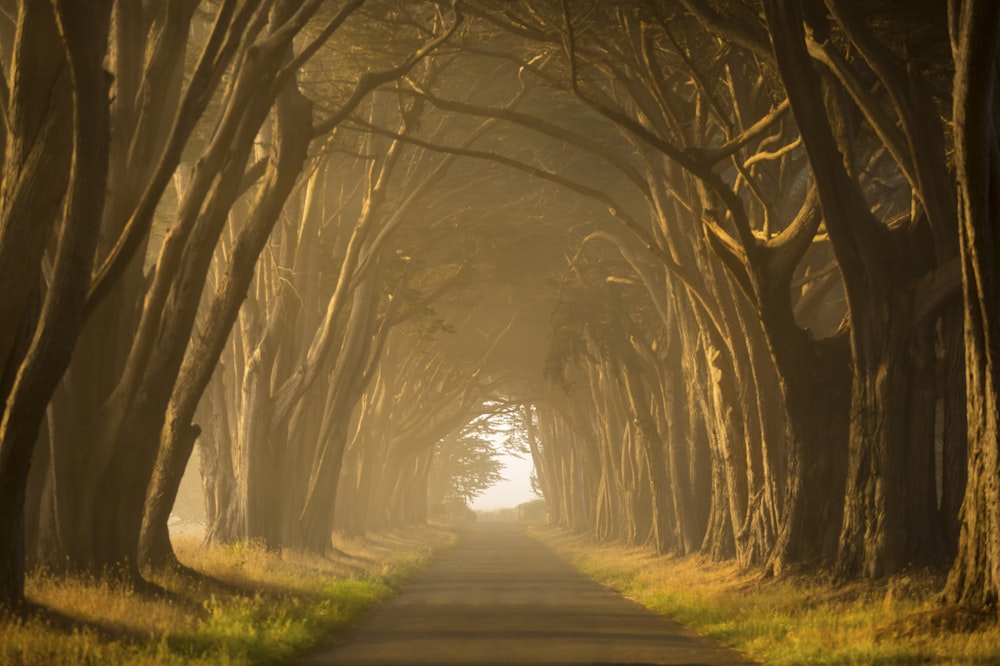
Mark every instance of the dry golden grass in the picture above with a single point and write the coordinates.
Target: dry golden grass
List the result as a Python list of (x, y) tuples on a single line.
[(795, 619), (244, 605)]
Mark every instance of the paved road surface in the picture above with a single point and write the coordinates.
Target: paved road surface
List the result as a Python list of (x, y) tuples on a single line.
[(500, 597)]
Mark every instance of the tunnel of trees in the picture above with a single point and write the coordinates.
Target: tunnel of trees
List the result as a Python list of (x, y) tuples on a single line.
[(729, 265)]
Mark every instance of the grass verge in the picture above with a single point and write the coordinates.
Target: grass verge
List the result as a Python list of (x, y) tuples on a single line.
[(244, 605), (791, 620)]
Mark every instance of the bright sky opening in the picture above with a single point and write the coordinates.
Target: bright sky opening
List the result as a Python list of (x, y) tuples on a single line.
[(513, 490)]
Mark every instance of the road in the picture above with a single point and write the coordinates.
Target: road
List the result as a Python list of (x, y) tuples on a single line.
[(499, 597)]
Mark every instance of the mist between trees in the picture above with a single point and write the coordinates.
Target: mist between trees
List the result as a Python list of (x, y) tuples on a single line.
[(730, 264)]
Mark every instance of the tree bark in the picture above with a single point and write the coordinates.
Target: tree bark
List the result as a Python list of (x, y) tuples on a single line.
[(881, 533), (974, 580), (83, 33), (293, 113), (36, 169)]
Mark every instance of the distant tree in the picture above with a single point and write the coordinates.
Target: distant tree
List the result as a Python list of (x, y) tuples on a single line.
[(466, 463)]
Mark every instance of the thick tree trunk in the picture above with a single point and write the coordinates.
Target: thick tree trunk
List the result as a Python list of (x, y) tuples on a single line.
[(953, 427), (177, 440), (974, 579), (218, 478), (154, 540), (876, 539), (719, 542), (83, 42), (316, 517), (817, 399), (36, 168), (549, 451), (679, 451), (651, 455), (145, 97)]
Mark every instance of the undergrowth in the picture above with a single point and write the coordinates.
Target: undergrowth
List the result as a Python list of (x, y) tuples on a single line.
[(795, 619), (240, 604)]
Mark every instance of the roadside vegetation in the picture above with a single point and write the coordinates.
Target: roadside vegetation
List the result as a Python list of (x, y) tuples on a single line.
[(792, 619), (240, 604), (730, 266)]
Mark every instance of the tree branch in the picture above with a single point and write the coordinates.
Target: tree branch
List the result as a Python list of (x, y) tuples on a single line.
[(370, 81)]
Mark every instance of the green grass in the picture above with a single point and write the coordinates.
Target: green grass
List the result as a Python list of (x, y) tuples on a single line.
[(792, 620), (247, 606)]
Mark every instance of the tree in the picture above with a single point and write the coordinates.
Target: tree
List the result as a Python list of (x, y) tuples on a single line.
[(57, 135), (465, 464), (153, 116), (885, 521), (731, 263), (128, 425), (973, 579), (692, 132)]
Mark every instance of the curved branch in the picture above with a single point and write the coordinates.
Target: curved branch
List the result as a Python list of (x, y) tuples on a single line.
[(542, 127), (370, 81), (740, 33), (730, 147), (598, 195), (697, 296)]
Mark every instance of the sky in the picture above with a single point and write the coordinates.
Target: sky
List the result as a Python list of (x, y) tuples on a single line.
[(515, 490)]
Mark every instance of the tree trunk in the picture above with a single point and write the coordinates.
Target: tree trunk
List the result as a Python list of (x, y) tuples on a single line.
[(36, 168), (83, 42), (316, 516), (218, 474), (875, 539), (817, 398), (974, 580), (177, 441), (145, 98)]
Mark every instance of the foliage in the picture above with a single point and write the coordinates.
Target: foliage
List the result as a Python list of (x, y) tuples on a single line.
[(536, 487), (466, 464)]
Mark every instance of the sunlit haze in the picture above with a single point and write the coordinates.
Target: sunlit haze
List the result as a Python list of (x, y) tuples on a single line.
[(513, 490), (304, 304)]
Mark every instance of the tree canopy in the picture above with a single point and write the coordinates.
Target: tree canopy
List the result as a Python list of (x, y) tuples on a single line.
[(730, 264)]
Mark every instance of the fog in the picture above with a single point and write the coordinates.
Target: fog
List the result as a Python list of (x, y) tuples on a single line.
[(715, 283), (515, 488)]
